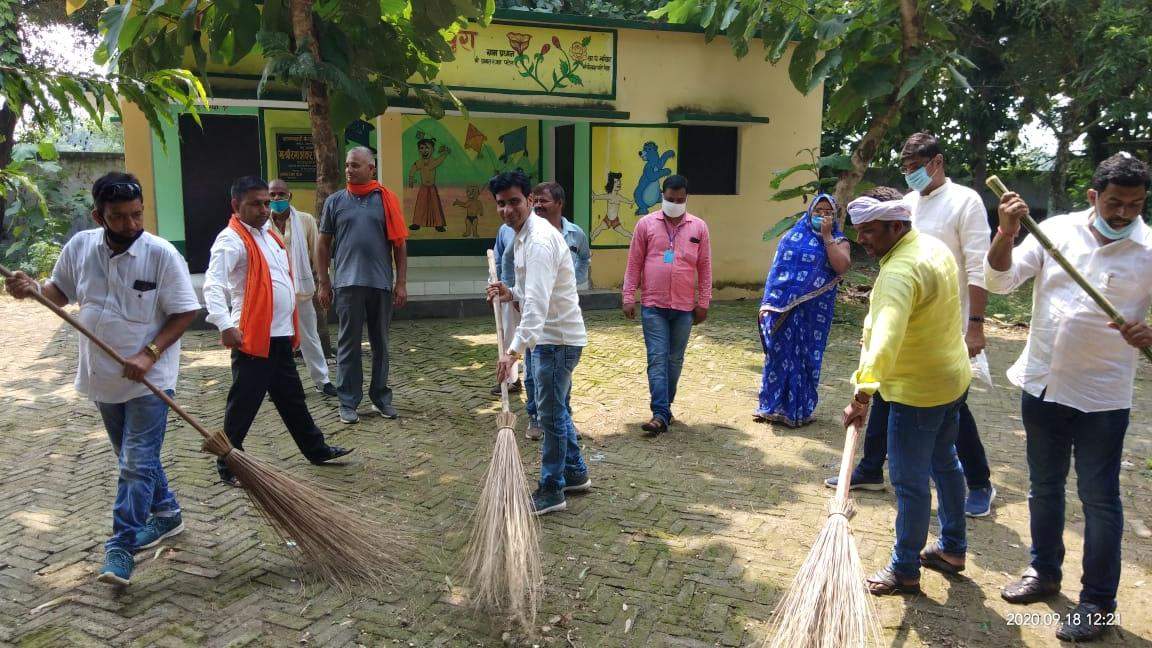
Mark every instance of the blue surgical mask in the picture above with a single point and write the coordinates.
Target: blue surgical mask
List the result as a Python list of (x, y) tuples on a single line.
[(1111, 234), (817, 222), (280, 206), (918, 180)]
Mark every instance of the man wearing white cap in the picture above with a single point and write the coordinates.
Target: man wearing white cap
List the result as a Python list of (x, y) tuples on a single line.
[(914, 356)]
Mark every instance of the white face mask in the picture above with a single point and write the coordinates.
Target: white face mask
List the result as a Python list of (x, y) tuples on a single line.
[(674, 210)]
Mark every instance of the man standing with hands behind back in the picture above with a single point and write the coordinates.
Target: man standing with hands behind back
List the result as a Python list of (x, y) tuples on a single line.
[(670, 260), (362, 229)]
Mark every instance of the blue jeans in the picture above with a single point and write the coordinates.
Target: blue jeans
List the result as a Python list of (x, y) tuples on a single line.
[(1056, 433), (973, 459), (136, 430), (921, 444), (666, 332), (530, 391), (552, 367)]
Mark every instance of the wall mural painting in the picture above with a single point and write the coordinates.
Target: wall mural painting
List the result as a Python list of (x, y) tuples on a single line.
[(628, 165), (447, 164)]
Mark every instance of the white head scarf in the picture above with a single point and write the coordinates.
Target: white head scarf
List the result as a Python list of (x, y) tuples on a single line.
[(866, 209)]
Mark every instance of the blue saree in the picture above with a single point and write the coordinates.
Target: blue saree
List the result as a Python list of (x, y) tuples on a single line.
[(795, 318)]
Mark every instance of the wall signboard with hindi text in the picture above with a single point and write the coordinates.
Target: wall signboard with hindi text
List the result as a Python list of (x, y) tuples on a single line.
[(295, 157), (542, 60)]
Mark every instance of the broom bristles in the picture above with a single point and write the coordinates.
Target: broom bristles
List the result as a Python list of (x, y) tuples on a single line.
[(336, 543), (502, 571), (827, 605)]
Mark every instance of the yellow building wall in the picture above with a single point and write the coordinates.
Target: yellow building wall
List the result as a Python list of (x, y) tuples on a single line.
[(138, 158)]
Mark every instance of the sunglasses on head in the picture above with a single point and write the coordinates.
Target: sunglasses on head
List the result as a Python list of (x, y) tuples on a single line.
[(117, 191)]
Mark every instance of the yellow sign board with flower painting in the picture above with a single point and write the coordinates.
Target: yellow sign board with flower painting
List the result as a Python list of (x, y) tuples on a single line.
[(522, 59)]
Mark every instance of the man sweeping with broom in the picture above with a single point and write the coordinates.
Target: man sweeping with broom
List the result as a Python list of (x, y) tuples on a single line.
[(1076, 378), (551, 329), (134, 291), (914, 356)]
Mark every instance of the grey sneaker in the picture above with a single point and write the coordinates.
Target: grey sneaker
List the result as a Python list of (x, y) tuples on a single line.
[(534, 431), (328, 389), (348, 415), (387, 411)]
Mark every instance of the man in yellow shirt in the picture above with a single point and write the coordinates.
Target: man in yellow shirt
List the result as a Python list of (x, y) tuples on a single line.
[(914, 356)]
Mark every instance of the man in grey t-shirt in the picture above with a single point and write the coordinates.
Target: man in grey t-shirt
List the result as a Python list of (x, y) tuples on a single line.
[(363, 239)]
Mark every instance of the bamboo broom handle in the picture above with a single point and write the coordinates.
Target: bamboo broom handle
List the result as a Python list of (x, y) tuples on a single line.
[(115, 356), (994, 183), (499, 328), (851, 436)]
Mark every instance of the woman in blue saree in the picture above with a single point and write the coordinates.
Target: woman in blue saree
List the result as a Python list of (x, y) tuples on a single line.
[(796, 313)]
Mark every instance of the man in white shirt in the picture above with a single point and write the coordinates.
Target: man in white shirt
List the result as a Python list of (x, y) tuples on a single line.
[(249, 294), (955, 215), (135, 294), (1076, 375), (551, 329), (298, 231)]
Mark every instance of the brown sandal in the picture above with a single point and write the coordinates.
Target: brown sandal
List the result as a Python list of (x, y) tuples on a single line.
[(935, 560), (885, 583)]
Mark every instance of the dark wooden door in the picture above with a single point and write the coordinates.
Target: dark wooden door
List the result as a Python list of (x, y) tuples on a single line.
[(211, 158)]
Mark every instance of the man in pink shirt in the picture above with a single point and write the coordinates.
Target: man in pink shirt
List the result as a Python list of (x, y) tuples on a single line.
[(670, 260)]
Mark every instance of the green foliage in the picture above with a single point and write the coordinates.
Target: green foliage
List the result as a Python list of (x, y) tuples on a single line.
[(623, 9), (39, 210), (822, 179)]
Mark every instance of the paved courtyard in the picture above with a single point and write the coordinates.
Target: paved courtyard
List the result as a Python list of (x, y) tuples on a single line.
[(686, 540)]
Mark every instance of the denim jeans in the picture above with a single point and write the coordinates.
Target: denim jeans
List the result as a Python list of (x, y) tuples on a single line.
[(1055, 434), (973, 459), (666, 332), (552, 367), (136, 430), (921, 444), (530, 391)]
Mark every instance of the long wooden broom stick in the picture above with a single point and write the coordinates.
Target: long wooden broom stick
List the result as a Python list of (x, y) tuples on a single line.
[(502, 569), (997, 186), (337, 543)]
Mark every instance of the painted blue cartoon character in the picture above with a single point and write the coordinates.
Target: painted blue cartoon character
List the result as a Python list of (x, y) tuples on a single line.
[(647, 193)]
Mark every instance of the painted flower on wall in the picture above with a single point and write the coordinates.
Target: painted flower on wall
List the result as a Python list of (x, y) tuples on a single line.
[(518, 41), (579, 52)]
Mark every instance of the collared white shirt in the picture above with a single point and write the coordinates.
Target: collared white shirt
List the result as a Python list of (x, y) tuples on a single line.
[(227, 277), (546, 289), (1072, 357), (956, 216), (124, 300)]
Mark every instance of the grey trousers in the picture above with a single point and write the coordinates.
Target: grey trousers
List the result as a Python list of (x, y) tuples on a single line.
[(355, 307)]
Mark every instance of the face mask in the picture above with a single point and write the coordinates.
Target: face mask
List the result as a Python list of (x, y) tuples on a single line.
[(674, 210), (918, 180), (1104, 228), (817, 222), (280, 206), (120, 240)]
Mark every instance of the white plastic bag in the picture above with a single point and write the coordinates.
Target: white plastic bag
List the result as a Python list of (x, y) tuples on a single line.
[(980, 370)]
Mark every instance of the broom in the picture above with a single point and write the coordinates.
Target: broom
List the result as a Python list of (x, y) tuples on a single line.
[(827, 605), (502, 569), (1000, 189), (336, 543)]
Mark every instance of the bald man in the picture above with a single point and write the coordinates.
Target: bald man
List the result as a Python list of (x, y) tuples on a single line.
[(362, 234)]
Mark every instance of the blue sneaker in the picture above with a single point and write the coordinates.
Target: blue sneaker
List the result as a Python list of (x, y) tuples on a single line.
[(118, 566), (979, 502), (576, 482), (156, 529), (546, 501)]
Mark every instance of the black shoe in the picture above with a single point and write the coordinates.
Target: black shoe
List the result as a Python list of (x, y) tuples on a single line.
[(334, 452), (328, 389), (577, 482), (546, 501), (441, 228), (1031, 587), (513, 388), (1086, 623), (226, 475), (387, 411)]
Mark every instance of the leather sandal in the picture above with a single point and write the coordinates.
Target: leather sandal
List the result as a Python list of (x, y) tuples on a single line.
[(654, 427), (1031, 587), (935, 560), (885, 583)]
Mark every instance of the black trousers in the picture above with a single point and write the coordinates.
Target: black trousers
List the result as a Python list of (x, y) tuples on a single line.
[(252, 379)]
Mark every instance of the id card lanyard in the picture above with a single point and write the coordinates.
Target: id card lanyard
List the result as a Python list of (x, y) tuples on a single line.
[(670, 253)]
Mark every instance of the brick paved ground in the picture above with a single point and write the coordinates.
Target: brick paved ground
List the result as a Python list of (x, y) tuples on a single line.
[(685, 541)]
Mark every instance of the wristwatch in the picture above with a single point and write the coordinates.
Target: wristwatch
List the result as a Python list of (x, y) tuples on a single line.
[(153, 351)]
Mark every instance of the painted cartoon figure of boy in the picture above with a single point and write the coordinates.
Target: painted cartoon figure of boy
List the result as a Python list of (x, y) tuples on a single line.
[(428, 212), (473, 210), (613, 199), (647, 193)]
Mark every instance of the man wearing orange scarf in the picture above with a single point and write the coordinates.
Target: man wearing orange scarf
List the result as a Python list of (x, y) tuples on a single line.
[(362, 231), (250, 297)]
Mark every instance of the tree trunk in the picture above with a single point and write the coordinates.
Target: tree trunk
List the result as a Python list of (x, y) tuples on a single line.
[(865, 151), (8, 121), (319, 109), (1058, 201)]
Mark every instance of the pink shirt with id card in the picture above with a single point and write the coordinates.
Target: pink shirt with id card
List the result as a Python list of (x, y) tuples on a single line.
[(672, 266)]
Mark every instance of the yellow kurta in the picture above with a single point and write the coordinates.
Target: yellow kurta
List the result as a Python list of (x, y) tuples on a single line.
[(914, 351)]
